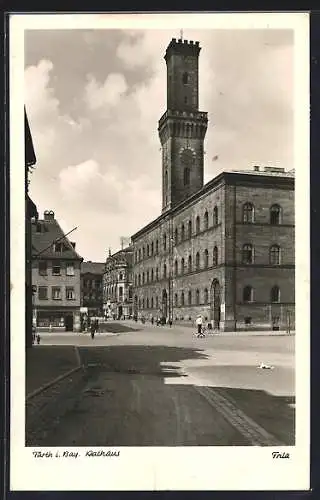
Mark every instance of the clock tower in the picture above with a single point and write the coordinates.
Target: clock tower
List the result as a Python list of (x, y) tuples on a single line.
[(183, 127)]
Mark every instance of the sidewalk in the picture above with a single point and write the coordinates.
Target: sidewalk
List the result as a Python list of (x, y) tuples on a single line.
[(45, 363), (189, 326)]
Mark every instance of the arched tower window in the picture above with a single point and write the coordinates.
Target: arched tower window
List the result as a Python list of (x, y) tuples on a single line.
[(205, 296), (189, 229), (197, 297), (197, 260), (248, 294), (152, 274), (176, 235), (274, 255), (275, 294), (206, 258), (248, 213), (164, 242), (206, 220), (166, 180), (189, 298), (151, 302), (152, 248), (185, 78), (157, 274), (164, 270), (176, 267), (215, 256), (197, 224), (176, 300), (182, 265), (275, 215), (182, 298), (247, 254), (182, 233), (215, 216), (157, 246), (186, 176), (189, 264), (187, 160)]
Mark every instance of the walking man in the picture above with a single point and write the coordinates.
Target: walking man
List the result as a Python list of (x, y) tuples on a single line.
[(92, 329), (199, 324)]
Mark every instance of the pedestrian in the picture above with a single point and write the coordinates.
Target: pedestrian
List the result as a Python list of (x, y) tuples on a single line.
[(170, 322), (92, 329), (38, 339), (199, 323), (96, 325), (152, 320)]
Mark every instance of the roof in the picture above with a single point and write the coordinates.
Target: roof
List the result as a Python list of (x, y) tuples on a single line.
[(43, 242), (29, 154), (121, 257), (275, 178), (269, 172), (92, 267)]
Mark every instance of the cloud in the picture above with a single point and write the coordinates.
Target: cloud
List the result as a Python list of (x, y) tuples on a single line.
[(108, 94), (94, 120)]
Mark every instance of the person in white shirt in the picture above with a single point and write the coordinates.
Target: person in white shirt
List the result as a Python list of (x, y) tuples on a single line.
[(199, 324)]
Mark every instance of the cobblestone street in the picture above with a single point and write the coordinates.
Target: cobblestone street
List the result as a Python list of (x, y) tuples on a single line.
[(164, 387)]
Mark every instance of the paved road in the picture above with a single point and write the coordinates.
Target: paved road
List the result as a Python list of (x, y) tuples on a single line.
[(159, 387)]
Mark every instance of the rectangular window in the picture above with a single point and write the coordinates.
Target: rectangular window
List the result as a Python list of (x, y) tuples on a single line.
[(70, 269), (98, 284), (56, 293), (56, 269), (42, 267), (70, 295), (120, 291), (43, 293)]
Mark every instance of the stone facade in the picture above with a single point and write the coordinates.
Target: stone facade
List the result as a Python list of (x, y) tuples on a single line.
[(92, 287), (55, 277), (182, 127), (205, 270), (117, 284), (224, 250)]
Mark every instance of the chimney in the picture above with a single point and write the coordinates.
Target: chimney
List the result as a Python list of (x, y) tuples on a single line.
[(48, 215)]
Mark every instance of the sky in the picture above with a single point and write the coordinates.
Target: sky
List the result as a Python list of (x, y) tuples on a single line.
[(94, 98)]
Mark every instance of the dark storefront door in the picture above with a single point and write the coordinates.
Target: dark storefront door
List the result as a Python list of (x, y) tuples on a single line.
[(69, 323)]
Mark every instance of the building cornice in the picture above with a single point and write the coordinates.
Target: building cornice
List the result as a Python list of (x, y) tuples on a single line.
[(225, 178)]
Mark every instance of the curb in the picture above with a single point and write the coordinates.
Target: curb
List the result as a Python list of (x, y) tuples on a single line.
[(57, 379)]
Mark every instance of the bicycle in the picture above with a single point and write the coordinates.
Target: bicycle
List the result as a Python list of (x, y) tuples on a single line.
[(203, 332)]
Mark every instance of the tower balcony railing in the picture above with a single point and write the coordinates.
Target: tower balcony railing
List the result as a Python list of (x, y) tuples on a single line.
[(187, 115)]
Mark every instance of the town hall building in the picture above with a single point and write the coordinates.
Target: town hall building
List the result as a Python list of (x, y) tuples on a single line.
[(224, 249)]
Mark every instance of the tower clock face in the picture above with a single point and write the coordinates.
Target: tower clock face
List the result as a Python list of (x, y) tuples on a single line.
[(187, 157)]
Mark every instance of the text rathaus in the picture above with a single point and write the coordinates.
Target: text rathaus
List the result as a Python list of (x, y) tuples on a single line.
[(224, 249)]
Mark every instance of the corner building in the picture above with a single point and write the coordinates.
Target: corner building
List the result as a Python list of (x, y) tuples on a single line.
[(224, 250)]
